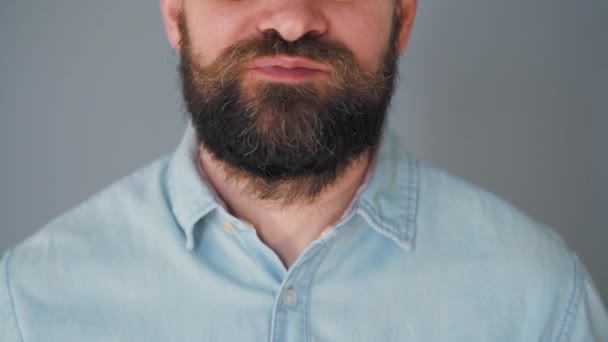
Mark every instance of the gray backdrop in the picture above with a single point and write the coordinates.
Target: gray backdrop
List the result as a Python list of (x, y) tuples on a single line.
[(510, 95)]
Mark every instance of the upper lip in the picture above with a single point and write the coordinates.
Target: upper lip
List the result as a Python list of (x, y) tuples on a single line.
[(288, 62)]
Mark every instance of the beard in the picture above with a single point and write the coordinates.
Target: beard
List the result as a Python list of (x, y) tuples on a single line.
[(289, 142)]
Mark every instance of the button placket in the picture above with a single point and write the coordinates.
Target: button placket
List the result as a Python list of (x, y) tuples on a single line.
[(290, 315)]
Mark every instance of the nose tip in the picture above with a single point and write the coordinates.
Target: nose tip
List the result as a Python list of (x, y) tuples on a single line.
[(294, 20)]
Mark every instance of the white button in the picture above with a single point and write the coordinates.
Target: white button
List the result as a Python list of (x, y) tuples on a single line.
[(228, 227), (290, 298)]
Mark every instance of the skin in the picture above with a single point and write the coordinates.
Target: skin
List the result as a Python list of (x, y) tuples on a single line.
[(363, 26)]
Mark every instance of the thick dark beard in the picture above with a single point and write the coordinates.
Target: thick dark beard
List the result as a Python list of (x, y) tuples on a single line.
[(289, 142)]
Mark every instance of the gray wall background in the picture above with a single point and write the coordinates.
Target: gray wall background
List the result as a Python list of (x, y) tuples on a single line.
[(510, 95)]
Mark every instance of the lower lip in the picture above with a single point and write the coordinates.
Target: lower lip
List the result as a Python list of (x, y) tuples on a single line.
[(288, 75)]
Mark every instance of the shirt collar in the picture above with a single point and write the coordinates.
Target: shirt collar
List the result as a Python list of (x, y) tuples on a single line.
[(388, 201), (190, 199)]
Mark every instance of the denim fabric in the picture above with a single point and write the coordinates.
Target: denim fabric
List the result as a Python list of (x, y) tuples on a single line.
[(420, 256)]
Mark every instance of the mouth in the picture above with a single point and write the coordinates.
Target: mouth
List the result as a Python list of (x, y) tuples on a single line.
[(287, 69)]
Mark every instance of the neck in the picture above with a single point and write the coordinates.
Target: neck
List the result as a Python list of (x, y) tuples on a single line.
[(286, 227)]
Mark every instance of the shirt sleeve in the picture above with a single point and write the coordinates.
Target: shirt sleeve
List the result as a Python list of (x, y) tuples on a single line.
[(9, 330), (585, 318)]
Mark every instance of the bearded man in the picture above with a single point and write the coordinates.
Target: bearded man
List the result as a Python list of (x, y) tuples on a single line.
[(289, 213)]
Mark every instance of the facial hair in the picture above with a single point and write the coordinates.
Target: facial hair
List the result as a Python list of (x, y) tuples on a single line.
[(288, 142)]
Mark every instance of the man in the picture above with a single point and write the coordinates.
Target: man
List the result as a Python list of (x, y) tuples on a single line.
[(287, 213)]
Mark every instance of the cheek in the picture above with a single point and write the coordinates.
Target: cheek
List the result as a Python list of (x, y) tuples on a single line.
[(367, 39), (211, 34)]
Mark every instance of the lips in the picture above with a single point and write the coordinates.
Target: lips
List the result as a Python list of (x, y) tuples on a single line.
[(287, 68)]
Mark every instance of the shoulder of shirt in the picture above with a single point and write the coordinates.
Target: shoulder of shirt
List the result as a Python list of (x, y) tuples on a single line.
[(117, 215), (461, 226), (138, 190), (478, 228), (458, 208), (125, 221)]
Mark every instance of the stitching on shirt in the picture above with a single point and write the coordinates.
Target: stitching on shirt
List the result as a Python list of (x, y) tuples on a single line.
[(10, 295), (412, 196), (370, 213), (390, 232), (325, 250), (199, 207), (276, 306), (573, 304)]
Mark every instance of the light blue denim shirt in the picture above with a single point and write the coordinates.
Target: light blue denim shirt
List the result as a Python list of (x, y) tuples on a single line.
[(421, 256)]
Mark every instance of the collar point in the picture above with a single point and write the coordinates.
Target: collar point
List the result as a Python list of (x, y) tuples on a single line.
[(406, 243), (189, 241)]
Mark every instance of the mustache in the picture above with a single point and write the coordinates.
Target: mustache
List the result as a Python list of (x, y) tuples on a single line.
[(227, 67), (272, 44)]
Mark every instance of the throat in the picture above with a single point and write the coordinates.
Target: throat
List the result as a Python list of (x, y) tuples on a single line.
[(288, 234), (286, 226)]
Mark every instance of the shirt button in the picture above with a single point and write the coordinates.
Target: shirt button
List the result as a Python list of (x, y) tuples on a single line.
[(290, 298), (228, 227)]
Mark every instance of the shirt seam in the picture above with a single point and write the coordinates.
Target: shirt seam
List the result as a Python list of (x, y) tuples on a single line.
[(412, 192), (380, 224), (309, 291), (10, 295), (283, 286), (573, 304)]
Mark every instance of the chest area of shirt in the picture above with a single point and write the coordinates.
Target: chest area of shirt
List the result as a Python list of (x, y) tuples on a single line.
[(348, 291)]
